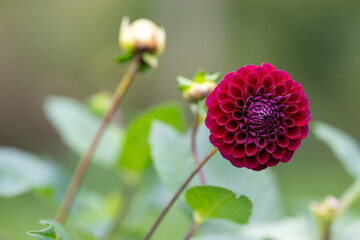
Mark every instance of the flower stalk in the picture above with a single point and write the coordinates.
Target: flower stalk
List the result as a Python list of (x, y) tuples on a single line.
[(177, 194), (191, 231), (85, 160)]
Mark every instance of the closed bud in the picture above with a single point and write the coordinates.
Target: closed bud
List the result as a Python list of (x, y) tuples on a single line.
[(141, 35), (100, 103), (198, 91), (325, 211), (199, 87)]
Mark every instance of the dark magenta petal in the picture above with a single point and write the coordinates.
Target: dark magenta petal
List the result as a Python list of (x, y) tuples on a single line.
[(294, 132), (270, 148), (283, 141), (241, 137), (278, 76), (278, 153), (303, 103), (237, 115), (272, 162), (239, 103), (267, 82), (218, 131), (243, 71), (289, 122), (214, 111), (237, 162), (238, 151), (250, 162), (289, 84), (262, 156), (221, 95), (260, 142), (261, 71), (229, 137), (250, 147), (250, 90), (288, 155), (229, 76), (220, 119), (294, 144), (210, 123), (301, 118), (280, 89), (235, 91), (227, 105), (294, 97), (304, 131), (260, 167), (231, 125), (268, 66), (252, 79)]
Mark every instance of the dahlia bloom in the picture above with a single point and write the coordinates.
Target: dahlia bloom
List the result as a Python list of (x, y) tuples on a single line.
[(257, 116)]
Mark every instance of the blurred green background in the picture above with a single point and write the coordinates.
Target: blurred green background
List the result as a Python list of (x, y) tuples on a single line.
[(66, 47)]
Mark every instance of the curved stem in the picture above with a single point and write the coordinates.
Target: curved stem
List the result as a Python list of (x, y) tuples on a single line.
[(177, 194), (191, 231), (193, 144), (85, 160), (325, 235)]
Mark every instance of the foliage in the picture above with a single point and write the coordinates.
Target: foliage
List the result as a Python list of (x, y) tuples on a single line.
[(53, 231)]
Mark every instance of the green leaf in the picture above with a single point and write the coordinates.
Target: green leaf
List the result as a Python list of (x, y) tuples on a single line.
[(183, 83), (295, 228), (199, 77), (77, 126), (213, 77), (171, 158), (173, 162), (217, 202), (151, 60), (21, 172), (345, 147), (136, 153), (123, 57), (53, 231)]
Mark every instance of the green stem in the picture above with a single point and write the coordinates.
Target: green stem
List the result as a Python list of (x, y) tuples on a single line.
[(85, 160), (193, 144), (191, 231), (349, 197), (177, 194), (325, 235)]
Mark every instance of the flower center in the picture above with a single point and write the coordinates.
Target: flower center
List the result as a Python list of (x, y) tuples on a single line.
[(262, 117)]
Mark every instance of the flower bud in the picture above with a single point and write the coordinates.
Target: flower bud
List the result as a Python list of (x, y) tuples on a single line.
[(198, 88), (198, 91), (141, 35), (325, 211), (100, 103)]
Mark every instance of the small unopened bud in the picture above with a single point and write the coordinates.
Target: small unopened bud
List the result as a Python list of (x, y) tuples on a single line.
[(100, 103), (198, 88), (325, 211), (198, 91), (141, 35)]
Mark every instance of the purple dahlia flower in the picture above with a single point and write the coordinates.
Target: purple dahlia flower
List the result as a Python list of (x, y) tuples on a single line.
[(257, 116)]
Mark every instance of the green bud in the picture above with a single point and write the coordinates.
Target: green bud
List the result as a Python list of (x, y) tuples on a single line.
[(198, 91), (100, 103), (198, 88), (325, 211)]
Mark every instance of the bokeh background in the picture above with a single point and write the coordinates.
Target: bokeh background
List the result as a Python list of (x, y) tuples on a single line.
[(66, 48)]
